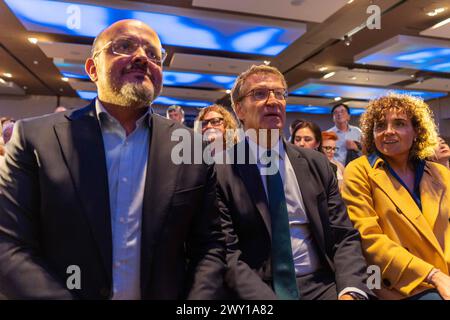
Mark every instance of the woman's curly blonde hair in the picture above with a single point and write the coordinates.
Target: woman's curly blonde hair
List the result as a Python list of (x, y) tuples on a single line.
[(229, 122), (415, 109)]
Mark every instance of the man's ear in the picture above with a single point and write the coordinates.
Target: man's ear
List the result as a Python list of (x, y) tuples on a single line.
[(240, 111), (91, 69)]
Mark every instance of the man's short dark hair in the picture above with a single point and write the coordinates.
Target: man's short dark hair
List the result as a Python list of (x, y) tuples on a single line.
[(340, 105)]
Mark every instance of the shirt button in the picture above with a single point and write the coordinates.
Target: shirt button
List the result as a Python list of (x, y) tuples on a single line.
[(124, 179)]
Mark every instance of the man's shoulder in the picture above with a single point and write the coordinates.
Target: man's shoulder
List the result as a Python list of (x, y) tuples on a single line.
[(47, 120), (310, 155), (333, 129)]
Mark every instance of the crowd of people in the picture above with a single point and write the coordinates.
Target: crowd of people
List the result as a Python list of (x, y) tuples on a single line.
[(96, 189)]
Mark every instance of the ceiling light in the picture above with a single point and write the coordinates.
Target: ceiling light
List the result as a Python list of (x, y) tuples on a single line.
[(7, 74), (228, 91), (2, 81), (412, 76), (322, 69), (65, 79), (350, 1), (353, 78), (36, 62), (337, 99), (436, 11), (347, 40), (329, 75), (266, 62), (33, 40)]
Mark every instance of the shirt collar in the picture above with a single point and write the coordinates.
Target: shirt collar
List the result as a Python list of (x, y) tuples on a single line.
[(106, 119), (259, 151)]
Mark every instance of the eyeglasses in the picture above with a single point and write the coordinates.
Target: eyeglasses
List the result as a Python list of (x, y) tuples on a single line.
[(263, 94), (330, 148), (215, 122), (127, 46)]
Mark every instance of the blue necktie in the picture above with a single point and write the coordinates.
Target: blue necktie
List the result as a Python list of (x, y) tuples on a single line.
[(283, 271)]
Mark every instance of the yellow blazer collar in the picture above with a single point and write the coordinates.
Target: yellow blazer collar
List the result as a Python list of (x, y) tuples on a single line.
[(430, 193)]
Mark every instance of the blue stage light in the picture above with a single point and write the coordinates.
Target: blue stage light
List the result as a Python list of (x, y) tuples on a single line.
[(191, 79), (330, 90), (87, 95), (409, 52), (209, 33), (319, 109)]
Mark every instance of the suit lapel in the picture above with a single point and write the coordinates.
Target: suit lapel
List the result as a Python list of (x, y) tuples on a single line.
[(252, 180), (308, 190), (81, 143), (160, 182), (405, 203)]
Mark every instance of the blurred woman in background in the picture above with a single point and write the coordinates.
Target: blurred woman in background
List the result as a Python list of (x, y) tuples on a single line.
[(214, 123)]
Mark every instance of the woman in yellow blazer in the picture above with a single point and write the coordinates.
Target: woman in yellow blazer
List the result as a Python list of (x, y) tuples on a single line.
[(399, 202)]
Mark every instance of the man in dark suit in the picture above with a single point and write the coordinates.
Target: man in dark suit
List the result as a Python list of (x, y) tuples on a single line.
[(93, 193), (288, 232)]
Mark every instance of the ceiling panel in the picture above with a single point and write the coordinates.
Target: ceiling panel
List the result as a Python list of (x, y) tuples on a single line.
[(440, 30), (367, 77), (65, 51), (10, 88), (409, 52), (182, 61), (309, 101), (302, 10), (356, 104), (315, 87), (432, 84), (207, 32), (82, 85)]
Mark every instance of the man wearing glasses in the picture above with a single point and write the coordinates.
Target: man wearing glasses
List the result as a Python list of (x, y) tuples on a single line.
[(288, 233), (91, 205)]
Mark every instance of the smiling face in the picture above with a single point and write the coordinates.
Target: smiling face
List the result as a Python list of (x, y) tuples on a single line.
[(126, 80), (394, 134), (262, 114)]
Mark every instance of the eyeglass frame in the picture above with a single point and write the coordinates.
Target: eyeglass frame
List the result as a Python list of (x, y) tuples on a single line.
[(109, 43), (222, 120), (330, 148), (251, 93)]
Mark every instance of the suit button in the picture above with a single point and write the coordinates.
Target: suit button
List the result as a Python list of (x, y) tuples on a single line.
[(398, 210), (104, 292), (386, 282)]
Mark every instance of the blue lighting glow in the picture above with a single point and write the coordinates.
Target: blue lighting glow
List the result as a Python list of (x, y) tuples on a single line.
[(330, 90), (72, 75), (320, 109), (176, 78), (87, 95), (209, 33), (410, 52)]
